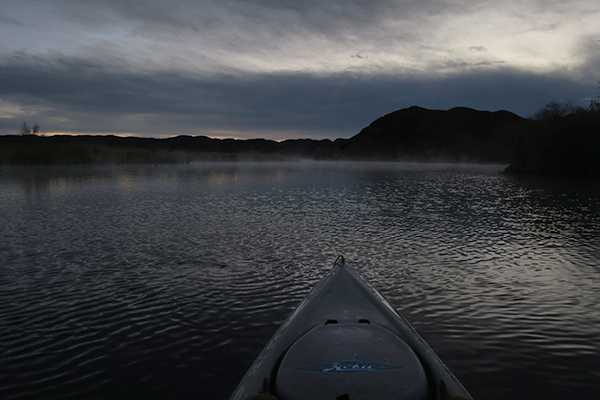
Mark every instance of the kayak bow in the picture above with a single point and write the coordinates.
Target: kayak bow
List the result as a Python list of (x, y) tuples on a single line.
[(345, 341)]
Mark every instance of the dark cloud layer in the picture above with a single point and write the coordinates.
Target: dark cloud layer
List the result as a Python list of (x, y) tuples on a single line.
[(97, 99)]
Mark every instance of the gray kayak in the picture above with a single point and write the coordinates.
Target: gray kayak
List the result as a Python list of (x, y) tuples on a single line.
[(344, 341)]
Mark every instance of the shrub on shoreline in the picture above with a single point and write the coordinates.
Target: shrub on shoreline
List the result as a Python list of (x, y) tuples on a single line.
[(565, 142)]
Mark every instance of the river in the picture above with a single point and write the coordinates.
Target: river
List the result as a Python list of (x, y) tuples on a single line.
[(166, 281)]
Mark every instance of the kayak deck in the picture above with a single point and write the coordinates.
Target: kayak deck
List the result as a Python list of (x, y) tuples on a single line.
[(345, 341)]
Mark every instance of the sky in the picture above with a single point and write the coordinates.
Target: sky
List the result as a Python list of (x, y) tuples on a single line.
[(281, 69)]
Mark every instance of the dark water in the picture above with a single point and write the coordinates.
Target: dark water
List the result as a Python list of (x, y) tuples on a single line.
[(165, 282)]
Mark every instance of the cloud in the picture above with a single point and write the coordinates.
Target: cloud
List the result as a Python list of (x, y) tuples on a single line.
[(267, 36), (96, 98), (284, 68)]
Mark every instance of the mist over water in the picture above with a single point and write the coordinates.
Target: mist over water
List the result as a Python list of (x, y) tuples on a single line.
[(166, 282)]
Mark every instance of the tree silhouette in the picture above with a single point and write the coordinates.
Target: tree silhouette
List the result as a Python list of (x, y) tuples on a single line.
[(594, 105), (26, 131), (557, 110)]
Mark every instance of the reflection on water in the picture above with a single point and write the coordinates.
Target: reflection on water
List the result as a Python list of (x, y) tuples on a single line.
[(165, 282)]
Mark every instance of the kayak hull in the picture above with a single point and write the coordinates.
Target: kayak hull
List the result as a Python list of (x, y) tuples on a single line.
[(344, 340)]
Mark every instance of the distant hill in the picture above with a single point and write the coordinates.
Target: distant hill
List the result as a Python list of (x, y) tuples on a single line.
[(459, 134), (87, 149), (561, 144), (415, 133)]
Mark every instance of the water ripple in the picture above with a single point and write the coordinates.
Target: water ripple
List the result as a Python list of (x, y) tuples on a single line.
[(138, 282)]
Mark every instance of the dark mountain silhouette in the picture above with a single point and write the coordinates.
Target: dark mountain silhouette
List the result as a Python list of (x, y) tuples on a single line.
[(87, 149), (459, 134), (561, 144)]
